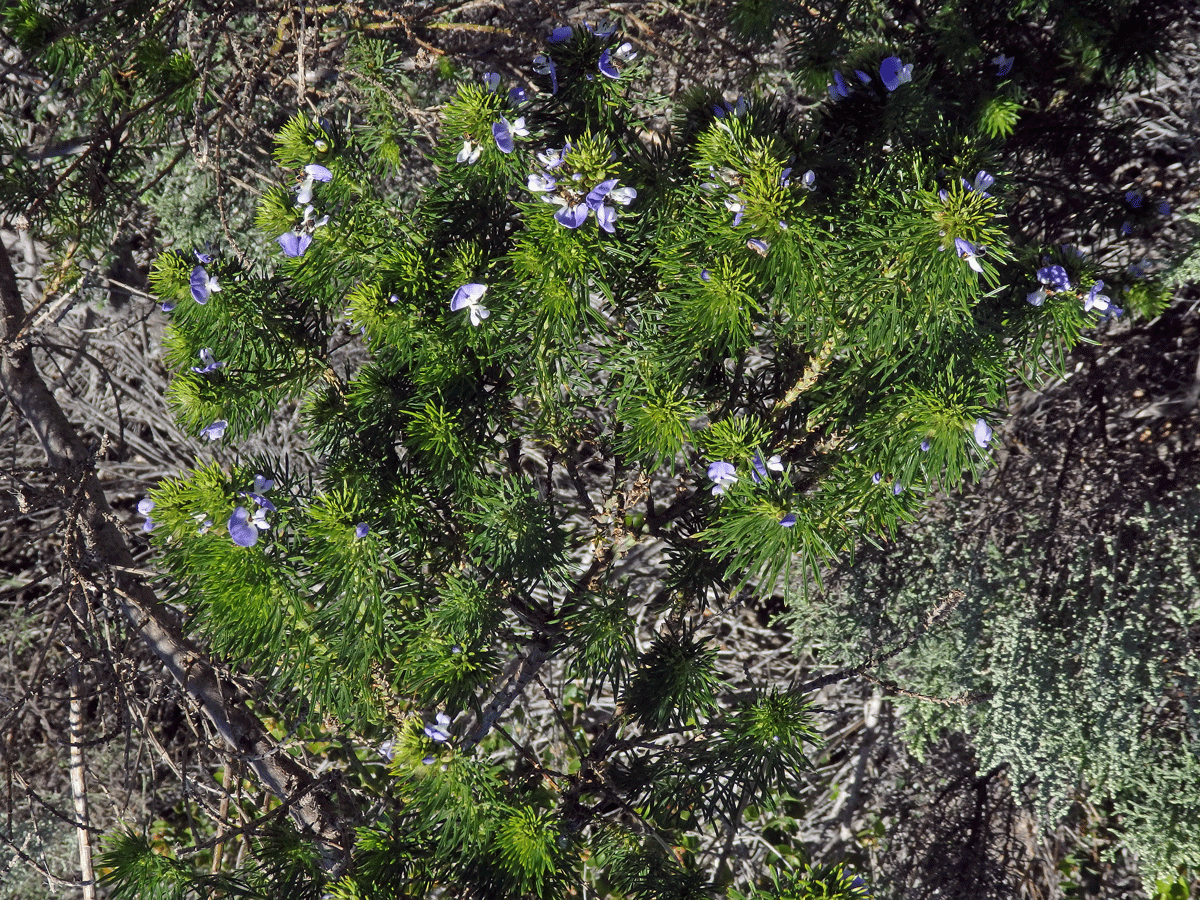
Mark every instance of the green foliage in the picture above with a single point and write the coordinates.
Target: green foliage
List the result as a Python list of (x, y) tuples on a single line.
[(691, 341), (675, 682), (1084, 667)]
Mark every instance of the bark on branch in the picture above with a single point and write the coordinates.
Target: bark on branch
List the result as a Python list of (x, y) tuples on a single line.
[(321, 810)]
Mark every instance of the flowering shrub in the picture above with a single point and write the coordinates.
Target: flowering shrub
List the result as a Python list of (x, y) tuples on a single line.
[(758, 371)]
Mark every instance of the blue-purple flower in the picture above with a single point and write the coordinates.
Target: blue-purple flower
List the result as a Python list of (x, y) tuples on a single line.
[(468, 297), (1005, 64), (208, 363), (203, 285), (925, 445), (491, 81), (758, 245), (361, 530), (981, 183), (517, 96), (294, 244), (876, 478), (439, 731), (722, 475), (607, 190), (982, 433), (726, 108), (1054, 277), (503, 131), (897, 489), (1134, 199), (145, 507), (1101, 303), (624, 53), (788, 521), (838, 90), (894, 73), (561, 34), (313, 173), (762, 469), (214, 431), (244, 527), (968, 251)]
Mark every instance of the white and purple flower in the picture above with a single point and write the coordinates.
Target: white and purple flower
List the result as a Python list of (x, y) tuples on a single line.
[(969, 252), (722, 475), (438, 731), (214, 431), (145, 507), (208, 363), (203, 285), (894, 73), (468, 297), (313, 173), (293, 244)]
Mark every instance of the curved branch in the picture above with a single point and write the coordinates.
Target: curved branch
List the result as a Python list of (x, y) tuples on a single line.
[(318, 808)]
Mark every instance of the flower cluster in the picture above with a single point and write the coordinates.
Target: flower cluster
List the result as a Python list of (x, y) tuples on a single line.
[(892, 72), (723, 475), (574, 201), (1054, 278)]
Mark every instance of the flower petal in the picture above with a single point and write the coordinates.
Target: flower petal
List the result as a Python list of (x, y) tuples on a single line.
[(318, 173), (467, 295), (890, 72), (293, 244), (596, 195), (607, 69), (572, 216), (199, 285), (503, 135), (983, 432)]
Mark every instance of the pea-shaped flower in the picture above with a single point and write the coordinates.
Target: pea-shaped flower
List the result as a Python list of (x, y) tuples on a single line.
[(968, 251), (202, 285), (244, 527), (894, 73), (722, 474), (468, 297), (982, 433), (214, 431), (469, 154), (313, 173), (439, 731), (294, 244), (207, 362), (145, 507)]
